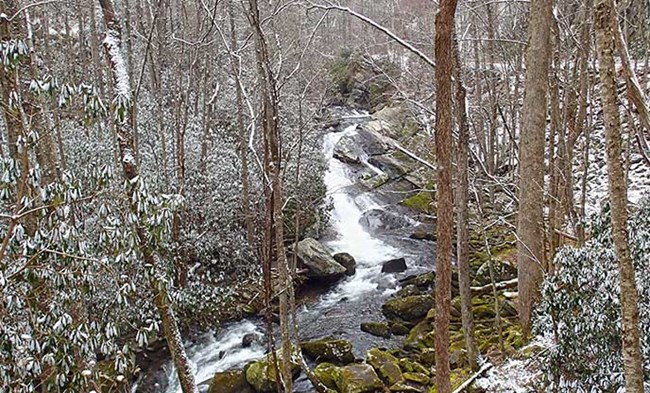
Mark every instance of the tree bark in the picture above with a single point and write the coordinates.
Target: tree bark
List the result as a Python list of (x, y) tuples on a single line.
[(605, 40), (444, 50), (530, 226)]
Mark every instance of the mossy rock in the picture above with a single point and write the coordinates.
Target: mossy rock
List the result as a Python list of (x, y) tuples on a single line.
[(261, 374), (422, 281), (408, 290), (378, 329), (232, 381), (417, 335), (327, 374), (399, 329), (421, 379), (411, 366), (358, 378), (386, 365), (423, 202), (427, 357), (408, 308), (329, 350)]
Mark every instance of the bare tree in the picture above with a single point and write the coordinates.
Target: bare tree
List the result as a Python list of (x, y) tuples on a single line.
[(530, 226), (605, 40)]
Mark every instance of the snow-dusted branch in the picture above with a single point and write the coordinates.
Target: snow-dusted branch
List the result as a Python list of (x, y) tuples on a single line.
[(335, 7)]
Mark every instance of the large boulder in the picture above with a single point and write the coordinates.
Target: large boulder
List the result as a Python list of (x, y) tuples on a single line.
[(378, 329), (397, 265), (231, 381), (408, 308), (358, 378), (329, 350), (386, 366), (327, 374), (347, 261), (318, 261), (261, 374)]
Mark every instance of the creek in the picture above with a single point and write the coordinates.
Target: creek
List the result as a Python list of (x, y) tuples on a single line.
[(340, 310)]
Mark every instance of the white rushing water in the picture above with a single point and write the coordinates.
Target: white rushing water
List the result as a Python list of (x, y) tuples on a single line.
[(225, 351)]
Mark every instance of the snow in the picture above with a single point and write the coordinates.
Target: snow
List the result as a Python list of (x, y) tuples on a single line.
[(112, 43), (515, 375)]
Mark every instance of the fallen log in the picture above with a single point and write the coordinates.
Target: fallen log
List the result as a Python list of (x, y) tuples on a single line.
[(486, 289)]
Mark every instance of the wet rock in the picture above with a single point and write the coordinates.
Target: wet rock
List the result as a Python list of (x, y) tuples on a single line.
[(386, 366), (232, 381), (409, 290), (382, 220), (399, 329), (358, 378), (421, 234), (329, 350), (408, 308), (397, 265), (249, 339), (347, 261), (389, 165), (327, 374), (347, 150), (378, 329), (261, 374), (318, 261)]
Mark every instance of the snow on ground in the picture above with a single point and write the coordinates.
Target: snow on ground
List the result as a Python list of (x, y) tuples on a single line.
[(515, 375)]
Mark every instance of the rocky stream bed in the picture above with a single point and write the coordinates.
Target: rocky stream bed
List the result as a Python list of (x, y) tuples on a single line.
[(371, 329)]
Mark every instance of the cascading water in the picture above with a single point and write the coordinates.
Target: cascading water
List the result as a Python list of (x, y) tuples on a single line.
[(338, 312)]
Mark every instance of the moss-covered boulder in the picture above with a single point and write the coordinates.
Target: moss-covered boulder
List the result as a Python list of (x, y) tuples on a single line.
[(386, 365), (418, 378), (261, 374), (408, 308), (327, 374), (358, 378), (399, 329), (417, 337), (378, 329), (231, 381), (408, 290), (329, 350), (424, 280), (411, 366)]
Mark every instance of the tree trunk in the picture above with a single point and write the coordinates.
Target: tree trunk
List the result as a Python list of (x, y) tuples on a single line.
[(462, 216), (272, 146), (112, 44), (444, 123), (530, 226), (632, 360)]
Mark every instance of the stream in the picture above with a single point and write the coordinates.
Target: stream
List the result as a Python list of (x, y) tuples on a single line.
[(353, 300)]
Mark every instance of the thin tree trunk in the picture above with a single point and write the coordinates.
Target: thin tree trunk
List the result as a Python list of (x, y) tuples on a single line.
[(445, 216), (462, 215), (605, 39), (272, 145), (530, 226)]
